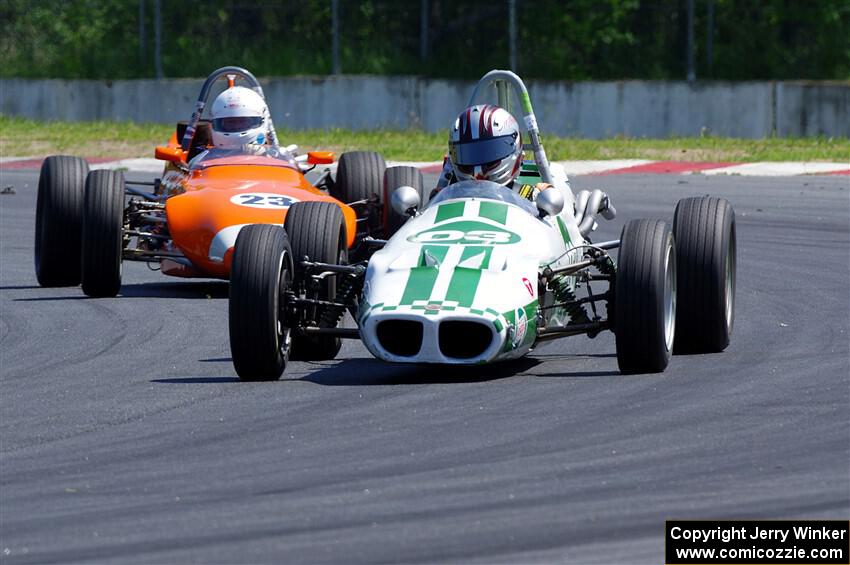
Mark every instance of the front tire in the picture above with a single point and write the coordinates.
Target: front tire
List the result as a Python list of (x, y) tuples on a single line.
[(261, 273), (316, 230), (645, 297), (359, 176), (704, 228), (102, 239), (58, 220)]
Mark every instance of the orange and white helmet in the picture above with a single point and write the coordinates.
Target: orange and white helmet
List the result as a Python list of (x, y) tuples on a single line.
[(239, 117), (485, 144)]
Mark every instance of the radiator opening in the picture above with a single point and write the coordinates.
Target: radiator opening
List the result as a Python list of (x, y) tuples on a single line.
[(400, 337), (461, 339)]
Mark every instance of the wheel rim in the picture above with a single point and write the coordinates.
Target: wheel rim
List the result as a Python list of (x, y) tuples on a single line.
[(284, 333), (669, 298), (730, 281)]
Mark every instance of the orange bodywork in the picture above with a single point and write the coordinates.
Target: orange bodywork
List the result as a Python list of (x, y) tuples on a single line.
[(228, 193)]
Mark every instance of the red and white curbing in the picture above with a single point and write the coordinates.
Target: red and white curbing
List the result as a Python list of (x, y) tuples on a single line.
[(573, 168)]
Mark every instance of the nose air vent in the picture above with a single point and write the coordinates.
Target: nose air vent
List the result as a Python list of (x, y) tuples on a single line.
[(400, 337), (460, 339)]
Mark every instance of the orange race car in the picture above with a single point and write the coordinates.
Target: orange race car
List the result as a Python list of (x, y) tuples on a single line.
[(221, 173)]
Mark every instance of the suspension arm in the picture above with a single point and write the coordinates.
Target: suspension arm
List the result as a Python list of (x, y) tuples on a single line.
[(337, 269), (345, 333), (591, 328)]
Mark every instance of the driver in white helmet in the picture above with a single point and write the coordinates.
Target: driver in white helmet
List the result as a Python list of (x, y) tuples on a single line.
[(485, 144), (239, 117), (240, 121)]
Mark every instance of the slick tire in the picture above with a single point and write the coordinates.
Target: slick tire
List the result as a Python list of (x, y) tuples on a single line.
[(395, 177), (704, 228), (645, 297), (359, 176), (261, 272), (102, 238), (316, 230), (58, 220)]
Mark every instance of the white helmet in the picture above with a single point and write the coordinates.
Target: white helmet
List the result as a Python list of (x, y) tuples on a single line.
[(485, 143), (239, 116)]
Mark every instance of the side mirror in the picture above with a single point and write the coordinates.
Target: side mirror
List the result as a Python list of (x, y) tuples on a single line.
[(171, 154), (406, 200), (320, 157), (550, 202)]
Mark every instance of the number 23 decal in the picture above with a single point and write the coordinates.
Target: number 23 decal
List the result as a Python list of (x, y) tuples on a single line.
[(263, 200)]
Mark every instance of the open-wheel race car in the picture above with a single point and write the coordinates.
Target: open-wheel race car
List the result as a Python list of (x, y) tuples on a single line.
[(186, 222), (480, 274)]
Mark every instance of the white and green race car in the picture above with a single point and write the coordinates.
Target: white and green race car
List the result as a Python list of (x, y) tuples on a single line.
[(480, 275)]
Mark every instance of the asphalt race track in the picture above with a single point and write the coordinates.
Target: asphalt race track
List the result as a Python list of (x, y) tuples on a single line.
[(127, 438)]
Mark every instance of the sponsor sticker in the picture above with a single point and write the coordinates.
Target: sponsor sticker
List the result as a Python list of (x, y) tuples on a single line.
[(528, 286), (521, 327), (263, 200)]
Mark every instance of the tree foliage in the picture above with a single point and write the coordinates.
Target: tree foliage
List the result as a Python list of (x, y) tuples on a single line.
[(566, 39)]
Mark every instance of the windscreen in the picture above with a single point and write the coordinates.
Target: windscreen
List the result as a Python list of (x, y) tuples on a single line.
[(246, 154), (483, 189)]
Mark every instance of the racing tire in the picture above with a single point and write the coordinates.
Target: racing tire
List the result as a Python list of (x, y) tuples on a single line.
[(103, 227), (704, 228), (316, 230), (58, 220), (395, 177), (645, 297), (261, 273), (359, 176)]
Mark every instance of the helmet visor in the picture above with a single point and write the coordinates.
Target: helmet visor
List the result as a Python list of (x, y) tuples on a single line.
[(236, 123), (482, 151)]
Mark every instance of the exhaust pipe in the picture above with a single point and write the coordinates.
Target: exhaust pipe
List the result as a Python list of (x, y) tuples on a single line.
[(588, 205)]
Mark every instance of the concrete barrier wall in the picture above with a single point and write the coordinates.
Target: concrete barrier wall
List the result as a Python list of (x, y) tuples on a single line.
[(580, 109)]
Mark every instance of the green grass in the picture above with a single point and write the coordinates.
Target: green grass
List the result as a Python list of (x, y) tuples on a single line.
[(22, 137)]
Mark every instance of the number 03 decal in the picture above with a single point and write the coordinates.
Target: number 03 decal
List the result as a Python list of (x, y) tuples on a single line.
[(263, 200)]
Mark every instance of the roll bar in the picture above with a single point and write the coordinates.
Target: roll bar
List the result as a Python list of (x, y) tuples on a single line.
[(503, 79), (237, 72)]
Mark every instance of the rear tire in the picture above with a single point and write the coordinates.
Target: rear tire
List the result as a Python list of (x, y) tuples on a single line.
[(395, 177), (645, 297), (260, 339), (58, 220), (316, 230), (704, 228), (103, 226)]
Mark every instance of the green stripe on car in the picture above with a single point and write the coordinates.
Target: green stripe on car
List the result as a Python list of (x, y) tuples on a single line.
[(449, 211), (471, 251), (419, 284), (493, 211), (564, 233), (463, 285), (435, 252)]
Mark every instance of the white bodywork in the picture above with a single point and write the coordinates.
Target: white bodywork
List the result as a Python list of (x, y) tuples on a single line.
[(467, 258)]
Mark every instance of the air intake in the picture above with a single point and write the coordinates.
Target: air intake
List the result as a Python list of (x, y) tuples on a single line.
[(460, 339), (400, 337)]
